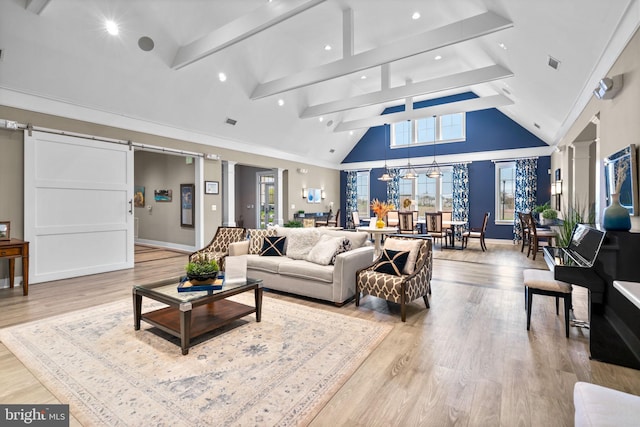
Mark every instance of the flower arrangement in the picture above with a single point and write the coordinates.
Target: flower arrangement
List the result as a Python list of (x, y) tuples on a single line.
[(381, 208)]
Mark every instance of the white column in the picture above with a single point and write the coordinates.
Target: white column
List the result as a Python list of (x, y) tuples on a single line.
[(229, 193), (581, 173), (279, 197)]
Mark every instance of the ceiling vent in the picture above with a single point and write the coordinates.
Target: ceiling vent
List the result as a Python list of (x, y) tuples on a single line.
[(553, 63), (146, 43), (1, 55), (231, 122)]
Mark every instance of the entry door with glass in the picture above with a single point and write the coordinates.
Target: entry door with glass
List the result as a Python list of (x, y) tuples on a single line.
[(266, 199)]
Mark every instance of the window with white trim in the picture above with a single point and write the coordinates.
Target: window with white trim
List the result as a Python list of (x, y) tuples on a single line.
[(505, 187), (362, 191), (448, 128), (431, 194)]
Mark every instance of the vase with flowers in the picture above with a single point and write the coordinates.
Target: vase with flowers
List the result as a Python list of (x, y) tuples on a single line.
[(381, 209), (616, 216)]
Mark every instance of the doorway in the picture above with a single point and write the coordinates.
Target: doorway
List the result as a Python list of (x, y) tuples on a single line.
[(266, 186)]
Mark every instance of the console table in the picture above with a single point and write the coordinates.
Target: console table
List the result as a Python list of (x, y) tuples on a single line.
[(12, 249)]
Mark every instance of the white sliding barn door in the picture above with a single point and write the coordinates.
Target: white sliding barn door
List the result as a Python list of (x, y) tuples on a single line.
[(77, 206)]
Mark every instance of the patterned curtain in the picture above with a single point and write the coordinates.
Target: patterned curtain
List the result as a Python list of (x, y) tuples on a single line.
[(460, 195), (351, 204), (393, 187), (526, 185)]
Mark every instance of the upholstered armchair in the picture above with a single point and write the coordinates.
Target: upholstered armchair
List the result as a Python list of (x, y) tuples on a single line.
[(413, 280), (218, 248)]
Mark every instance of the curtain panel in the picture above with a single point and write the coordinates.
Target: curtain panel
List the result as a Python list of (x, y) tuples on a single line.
[(460, 196), (393, 187), (351, 202), (525, 191)]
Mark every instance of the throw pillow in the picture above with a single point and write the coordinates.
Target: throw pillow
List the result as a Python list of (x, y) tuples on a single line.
[(273, 246), (345, 246), (324, 250), (392, 262), (300, 241), (412, 246), (256, 239)]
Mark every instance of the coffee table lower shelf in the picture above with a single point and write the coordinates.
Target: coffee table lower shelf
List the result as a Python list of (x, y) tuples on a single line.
[(204, 318)]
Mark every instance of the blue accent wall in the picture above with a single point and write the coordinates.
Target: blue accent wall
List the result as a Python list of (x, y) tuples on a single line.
[(486, 130)]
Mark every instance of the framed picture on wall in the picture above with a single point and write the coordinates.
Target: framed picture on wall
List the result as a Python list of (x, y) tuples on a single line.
[(5, 230), (211, 187), (187, 213)]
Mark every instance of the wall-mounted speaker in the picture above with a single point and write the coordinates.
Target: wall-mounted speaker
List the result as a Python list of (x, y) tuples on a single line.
[(608, 87)]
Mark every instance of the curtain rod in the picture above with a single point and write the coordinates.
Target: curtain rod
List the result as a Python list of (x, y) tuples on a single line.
[(514, 159)]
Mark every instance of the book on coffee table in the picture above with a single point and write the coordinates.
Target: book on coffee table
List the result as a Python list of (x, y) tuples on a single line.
[(187, 285)]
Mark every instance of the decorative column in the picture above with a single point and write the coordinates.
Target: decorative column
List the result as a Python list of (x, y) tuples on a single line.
[(279, 197), (583, 178), (229, 193)]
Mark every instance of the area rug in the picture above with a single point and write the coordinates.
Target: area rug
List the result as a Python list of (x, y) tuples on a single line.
[(281, 371)]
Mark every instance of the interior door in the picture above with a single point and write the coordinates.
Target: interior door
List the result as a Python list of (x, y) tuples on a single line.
[(78, 206), (266, 199)]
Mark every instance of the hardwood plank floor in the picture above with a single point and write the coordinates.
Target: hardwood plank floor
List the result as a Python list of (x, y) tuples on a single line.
[(468, 360)]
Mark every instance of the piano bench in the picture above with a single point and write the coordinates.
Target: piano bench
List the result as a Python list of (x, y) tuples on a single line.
[(601, 406), (541, 282)]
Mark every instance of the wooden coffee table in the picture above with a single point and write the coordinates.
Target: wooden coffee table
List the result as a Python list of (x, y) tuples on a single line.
[(191, 314)]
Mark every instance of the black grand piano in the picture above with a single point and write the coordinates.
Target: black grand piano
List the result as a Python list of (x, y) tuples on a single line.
[(614, 321)]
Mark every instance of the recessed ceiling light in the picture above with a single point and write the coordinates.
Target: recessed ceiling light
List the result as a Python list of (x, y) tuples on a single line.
[(363, 77), (416, 15), (437, 57), (222, 77), (503, 46), (321, 119), (281, 102), (327, 47), (112, 27), (351, 132)]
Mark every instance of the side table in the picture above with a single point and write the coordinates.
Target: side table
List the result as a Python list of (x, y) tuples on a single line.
[(12, 249)]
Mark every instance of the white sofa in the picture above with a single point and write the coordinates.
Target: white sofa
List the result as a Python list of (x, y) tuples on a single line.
[(303, 268)]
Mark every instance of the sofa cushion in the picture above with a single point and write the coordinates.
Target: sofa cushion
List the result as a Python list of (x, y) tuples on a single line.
[(307, 270), (391, 262), (357, 238), (300, 241), (256, 239), (273, 246), (345, 246), (325, 250), (412, 246), (269, 264)]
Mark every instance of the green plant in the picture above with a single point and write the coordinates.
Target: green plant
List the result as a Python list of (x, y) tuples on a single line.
[(574, 214), (549, 214), (542, 208), (201, 267), (293, 224)]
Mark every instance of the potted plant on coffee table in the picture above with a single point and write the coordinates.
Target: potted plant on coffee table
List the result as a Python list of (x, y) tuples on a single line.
[(201, 270)]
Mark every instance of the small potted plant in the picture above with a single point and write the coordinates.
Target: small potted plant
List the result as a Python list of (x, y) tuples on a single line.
[(201, 270), (549, 216)]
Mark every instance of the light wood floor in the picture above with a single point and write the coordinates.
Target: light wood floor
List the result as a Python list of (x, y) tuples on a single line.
[(468, 360)]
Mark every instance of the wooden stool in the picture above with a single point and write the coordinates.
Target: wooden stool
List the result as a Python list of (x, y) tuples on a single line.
[(541, 282)]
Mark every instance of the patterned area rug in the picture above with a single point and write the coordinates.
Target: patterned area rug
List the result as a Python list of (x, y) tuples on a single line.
[(281, 371)]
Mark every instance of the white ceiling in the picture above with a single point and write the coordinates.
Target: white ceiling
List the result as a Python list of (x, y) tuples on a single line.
[(60, 60)]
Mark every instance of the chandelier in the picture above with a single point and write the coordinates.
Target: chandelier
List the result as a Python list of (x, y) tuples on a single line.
[(386, 176)]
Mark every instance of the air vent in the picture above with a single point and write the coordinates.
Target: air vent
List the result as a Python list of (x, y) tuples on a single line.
[(553, 63), (1, 55), (505, 90), (332, 151), (537, 125), (231, 122), (146, 43)]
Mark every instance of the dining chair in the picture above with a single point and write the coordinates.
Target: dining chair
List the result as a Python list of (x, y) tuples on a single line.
[(477, 233), (535, 236), (355, 218), (392, 219), (524, 227), (335, 221), (406, 225), (433, 221), (448, 216)]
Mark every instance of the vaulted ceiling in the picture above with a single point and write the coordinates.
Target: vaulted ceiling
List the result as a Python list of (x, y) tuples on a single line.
[(160, 74)]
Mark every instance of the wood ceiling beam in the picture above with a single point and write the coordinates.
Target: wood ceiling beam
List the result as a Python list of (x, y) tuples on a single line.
[(453, 81), (466, 106), (246, 26), (466, 29), (36, 6)]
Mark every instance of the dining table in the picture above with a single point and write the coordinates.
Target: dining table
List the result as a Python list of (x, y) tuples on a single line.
[(377, 234), (452, 224)]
